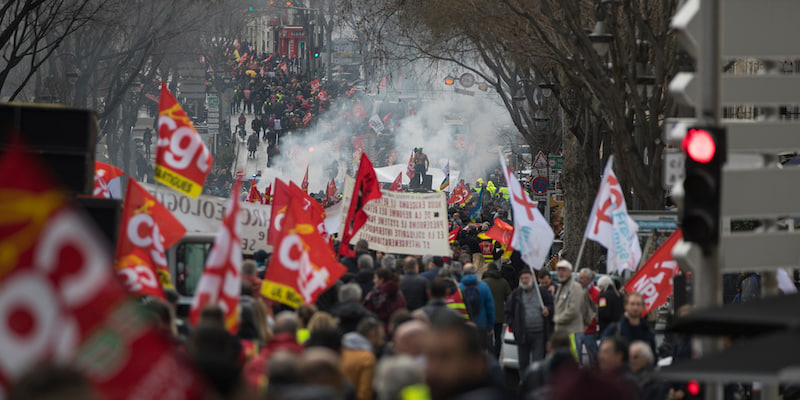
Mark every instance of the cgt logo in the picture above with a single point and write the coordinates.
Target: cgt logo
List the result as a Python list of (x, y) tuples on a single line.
[(144, 233), (293, 254), (183, 146)]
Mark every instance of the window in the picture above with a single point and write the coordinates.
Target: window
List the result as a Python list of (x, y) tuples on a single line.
[(190, 262)]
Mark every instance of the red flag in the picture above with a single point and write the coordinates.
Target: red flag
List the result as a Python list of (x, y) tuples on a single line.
[(280, 201), (283, 67), (221, 281), (315, 84), (386, 117), (182, 161), (453, 235), (654, 279), (60, 300), (307, 118), (255, 195), (147, 229), (358, 148), (322, 95), (501, 232), (397, 184), (330, 193), (304, 184), (303, 266), (410, 168), (383, 84), (103, 175), (351, 91), (359, 112), (365, 190), (267, 195), (460, 195)]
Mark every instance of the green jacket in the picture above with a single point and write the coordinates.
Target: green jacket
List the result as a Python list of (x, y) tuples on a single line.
[(500, 292)]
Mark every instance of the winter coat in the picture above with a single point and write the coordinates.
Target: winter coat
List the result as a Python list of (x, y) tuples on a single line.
[(485, 316), (438, 307), (568, 303), (609, 308), (415, 290), (384, 300), (350, 313), (431, 274), (358, 364), (364, 278), (515, 314), (632, 333), (255, 371), (500, 292)]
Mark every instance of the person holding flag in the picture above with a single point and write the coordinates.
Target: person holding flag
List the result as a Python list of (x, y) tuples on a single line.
[(446, 181), (304, 184)]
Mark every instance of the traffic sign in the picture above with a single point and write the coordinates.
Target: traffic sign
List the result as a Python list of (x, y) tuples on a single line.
[(540, 161), (555, 162), (760, 193), (673, 170), (539, 185), (213, 101)]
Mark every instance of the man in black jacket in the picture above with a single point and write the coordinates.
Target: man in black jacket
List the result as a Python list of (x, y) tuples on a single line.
[(526, 315), (349, 309), (609, 304), (413, 286)]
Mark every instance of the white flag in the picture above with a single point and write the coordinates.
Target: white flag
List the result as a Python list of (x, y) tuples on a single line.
[(376, 124), (611, 226), (533, 236)]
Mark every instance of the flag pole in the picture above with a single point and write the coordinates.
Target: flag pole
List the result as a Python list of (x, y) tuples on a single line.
[(536, 286), (580, 253)]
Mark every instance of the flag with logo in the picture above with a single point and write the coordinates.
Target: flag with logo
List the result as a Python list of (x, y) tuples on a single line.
[(307, 117), (304, 184), (501, 232), (654, 279), (451, 237), (182, 159), (283, 67), (532, 234), (460, 195), (358, 148), (303, 265), (315, 84), (107, 181), (322, 95), (280, 201), (611, 226), (446, 182), (410, 167), (397, 184), (375, 123), (267, 195), (61, 303), (255, 195), (221, 282), (146, 231), (365, 190), (330, 193), (475, 211)]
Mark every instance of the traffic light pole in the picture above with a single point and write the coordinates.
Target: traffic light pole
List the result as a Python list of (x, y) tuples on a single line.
[(707, 288)]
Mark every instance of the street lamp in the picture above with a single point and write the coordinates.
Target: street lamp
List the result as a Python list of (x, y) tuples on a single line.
[(540, 121), (600, 38)]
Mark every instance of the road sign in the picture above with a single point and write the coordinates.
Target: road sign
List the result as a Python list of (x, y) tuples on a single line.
[(760, 193), (462, 91), (539, 185), (213, 101), (540, 161), (673, 170), (741, 89), (555, 162)]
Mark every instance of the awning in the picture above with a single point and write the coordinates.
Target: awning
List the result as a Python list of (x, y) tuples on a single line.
[(768, 359)]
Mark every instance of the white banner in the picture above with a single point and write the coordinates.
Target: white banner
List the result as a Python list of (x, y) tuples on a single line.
[(205, 213), (403, 223)]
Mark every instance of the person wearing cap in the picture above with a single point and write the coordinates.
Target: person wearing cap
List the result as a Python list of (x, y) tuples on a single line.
[(568, 302)]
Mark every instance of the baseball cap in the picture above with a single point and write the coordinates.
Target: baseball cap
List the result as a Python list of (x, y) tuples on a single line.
[(564, 264)]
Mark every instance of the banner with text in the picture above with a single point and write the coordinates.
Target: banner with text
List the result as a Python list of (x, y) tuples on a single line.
[(404, 223), (205, 213)]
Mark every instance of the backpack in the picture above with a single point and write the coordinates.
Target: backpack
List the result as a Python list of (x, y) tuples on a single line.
[(472, 299)]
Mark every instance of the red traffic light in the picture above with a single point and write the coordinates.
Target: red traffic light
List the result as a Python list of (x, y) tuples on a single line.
[(699, 145), (693, 388)]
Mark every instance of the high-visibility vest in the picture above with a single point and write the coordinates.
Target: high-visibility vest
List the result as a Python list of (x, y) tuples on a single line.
[(456, 302), (487, 249)]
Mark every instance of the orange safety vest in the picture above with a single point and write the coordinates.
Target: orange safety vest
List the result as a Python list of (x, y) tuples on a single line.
[(456, 302), (487, 249)]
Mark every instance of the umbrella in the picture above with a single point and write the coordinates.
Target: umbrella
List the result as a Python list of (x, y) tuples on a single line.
[(250, 73), (747, 319), (767, 359)]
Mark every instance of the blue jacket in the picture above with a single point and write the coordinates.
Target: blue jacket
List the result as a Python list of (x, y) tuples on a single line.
[(485, 317)]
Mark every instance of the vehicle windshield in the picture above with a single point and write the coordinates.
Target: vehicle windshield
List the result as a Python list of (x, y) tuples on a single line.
[(191, 260)]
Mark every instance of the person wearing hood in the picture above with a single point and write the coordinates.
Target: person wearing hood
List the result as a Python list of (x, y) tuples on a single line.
[(349, 309), (358, 357), (385, 298), (479, 301), (500, 292)]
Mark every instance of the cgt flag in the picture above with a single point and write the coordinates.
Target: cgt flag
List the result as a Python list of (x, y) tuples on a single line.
[(304, 184), (280, 202), (221, 281), (365, 189), (410, 167), (501, 232), (397, 184), (654, 279), (611, 226), (255, 195), (460, 195), (106, 181), (303, 265), (532, 235), (182, 161), (60, 302), (330, 194), (147, 229), (268, 195)]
